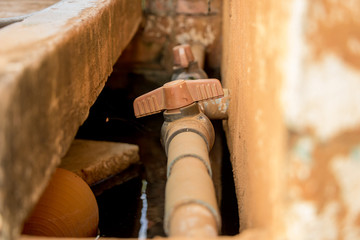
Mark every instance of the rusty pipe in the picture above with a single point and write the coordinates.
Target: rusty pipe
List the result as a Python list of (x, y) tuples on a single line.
[(190, 203)]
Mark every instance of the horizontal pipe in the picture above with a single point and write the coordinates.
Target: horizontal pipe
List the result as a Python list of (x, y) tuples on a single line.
[(216, 108)]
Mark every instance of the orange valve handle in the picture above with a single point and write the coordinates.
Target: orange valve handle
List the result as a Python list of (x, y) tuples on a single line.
[(177, 94)]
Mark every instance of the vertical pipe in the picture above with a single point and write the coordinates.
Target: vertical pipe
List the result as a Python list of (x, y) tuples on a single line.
[(198, 51), (190, 207)]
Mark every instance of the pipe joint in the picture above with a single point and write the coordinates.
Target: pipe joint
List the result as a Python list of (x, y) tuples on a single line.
[(187, 119), (216, 108), (188, 145)]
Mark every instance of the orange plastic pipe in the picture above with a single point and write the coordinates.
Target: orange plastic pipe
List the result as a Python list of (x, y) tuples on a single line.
[(190, 203)]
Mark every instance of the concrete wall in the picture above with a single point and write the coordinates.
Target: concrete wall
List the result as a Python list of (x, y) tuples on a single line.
[(168, 23), (294, 126), (53, 65)]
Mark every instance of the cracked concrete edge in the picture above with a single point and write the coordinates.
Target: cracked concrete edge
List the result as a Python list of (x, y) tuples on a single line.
[(95, 161), (53, 66)]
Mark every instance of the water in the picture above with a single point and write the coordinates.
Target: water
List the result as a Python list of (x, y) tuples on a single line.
[(143, 219)]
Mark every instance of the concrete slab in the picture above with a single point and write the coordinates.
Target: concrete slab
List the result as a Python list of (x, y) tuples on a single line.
[(14, 8), (53, 65), (95, 161)]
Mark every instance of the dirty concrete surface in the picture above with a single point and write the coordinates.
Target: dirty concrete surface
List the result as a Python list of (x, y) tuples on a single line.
[(293, 128), (53, 66)]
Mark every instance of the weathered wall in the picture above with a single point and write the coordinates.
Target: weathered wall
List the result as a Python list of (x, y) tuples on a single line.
[(53, 65), (168, 23), (15, 8), (321, 97), (293, 131), (252, 54)]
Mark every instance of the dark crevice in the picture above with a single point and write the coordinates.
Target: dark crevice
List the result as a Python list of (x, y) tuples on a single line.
[(229, 206)]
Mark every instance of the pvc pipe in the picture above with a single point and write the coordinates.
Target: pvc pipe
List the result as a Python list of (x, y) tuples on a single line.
[(188, 144), (190, 202)]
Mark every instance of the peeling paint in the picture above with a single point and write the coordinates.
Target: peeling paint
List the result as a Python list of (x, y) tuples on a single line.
[(305, 223), (327, 100), (346, 169), (321, 106), (355, 154), (187, 29), (304, 149), (321, 90), (206, 37), (324, 182), (157, 26), (334, 29), (292, 64)]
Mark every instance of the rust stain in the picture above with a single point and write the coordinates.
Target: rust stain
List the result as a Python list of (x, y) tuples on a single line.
[(357, 221), (333, 26), (253, 48)]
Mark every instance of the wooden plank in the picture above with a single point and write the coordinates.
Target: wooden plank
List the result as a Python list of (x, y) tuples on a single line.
[(53, 65)]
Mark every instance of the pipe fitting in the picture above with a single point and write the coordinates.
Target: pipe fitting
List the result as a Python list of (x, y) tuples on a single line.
[(216, 108), (187, 119), (175, 95), (179, 148), (187, 136)]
